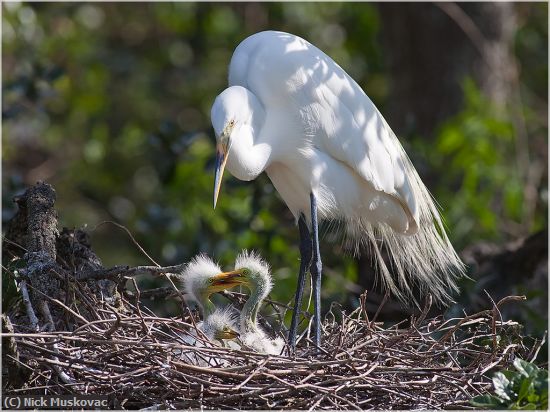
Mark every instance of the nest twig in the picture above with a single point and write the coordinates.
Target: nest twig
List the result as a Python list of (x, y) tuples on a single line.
[(97, 338), (141, 360)]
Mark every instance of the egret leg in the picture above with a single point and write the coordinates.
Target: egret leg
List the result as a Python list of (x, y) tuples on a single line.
[(316, 270), (305, 260)]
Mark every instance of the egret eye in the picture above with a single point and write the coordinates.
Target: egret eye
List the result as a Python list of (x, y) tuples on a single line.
[(246, 272)]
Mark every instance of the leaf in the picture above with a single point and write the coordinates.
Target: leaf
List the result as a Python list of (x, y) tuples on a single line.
[(525, 368), (501, 384), (543, 402), (525, 388), (528, 406), (509, 374), (487, 401)]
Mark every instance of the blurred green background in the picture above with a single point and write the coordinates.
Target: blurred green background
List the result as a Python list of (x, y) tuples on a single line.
[(110, 104)]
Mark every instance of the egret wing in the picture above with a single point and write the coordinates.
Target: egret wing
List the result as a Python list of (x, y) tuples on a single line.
[(338, 117), (291, 76), (351, 129)]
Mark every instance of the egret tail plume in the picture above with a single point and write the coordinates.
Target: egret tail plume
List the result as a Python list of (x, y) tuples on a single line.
[(425, 260)]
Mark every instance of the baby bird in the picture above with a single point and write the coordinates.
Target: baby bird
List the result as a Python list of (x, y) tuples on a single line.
[(220, 325), (201, 278), (220, 328), (253, 272)]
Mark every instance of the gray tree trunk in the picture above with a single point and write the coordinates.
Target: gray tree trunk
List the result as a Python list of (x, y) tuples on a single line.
[(430, 49)]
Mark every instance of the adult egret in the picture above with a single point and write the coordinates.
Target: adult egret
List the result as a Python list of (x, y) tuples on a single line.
[(294, 113), (253, 272)]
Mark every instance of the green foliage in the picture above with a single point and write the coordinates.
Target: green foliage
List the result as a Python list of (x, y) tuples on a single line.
[(483, 193), (110, 103), (10, 292), (523, 388)]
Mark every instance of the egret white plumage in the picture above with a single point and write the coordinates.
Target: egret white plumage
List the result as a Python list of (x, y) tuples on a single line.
[(294, 113), (254, 273)]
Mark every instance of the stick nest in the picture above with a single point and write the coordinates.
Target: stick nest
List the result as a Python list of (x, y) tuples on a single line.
[(141, 360)]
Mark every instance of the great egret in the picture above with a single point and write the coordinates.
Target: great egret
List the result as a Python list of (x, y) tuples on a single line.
[(294, 113), (220, 325), (201, 278), (220, 328), (253, 272)]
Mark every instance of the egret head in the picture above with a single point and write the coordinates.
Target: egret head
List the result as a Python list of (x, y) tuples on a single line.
[(221, 325), (226, 333), (202, 277), (256, 271), (236, 114), (253, 272)]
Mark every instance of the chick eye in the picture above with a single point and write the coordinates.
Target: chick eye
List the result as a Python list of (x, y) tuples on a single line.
[(231, 122)]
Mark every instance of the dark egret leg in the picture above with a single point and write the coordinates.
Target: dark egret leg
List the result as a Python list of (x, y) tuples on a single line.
[(316, 269), (305, 260)]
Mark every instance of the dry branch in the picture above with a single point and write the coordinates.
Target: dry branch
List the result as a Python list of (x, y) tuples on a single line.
[(432, 363)]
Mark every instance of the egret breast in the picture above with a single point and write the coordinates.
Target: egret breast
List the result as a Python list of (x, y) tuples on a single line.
[(341, 193)]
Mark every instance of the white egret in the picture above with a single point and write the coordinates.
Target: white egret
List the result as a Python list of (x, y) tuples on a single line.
[(294, 113), (253, 272), (201, 278), (220, 325)]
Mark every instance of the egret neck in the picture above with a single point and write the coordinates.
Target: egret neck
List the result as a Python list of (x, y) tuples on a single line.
[(255, 274), (249, 314), (208, 308), (238, 117)]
